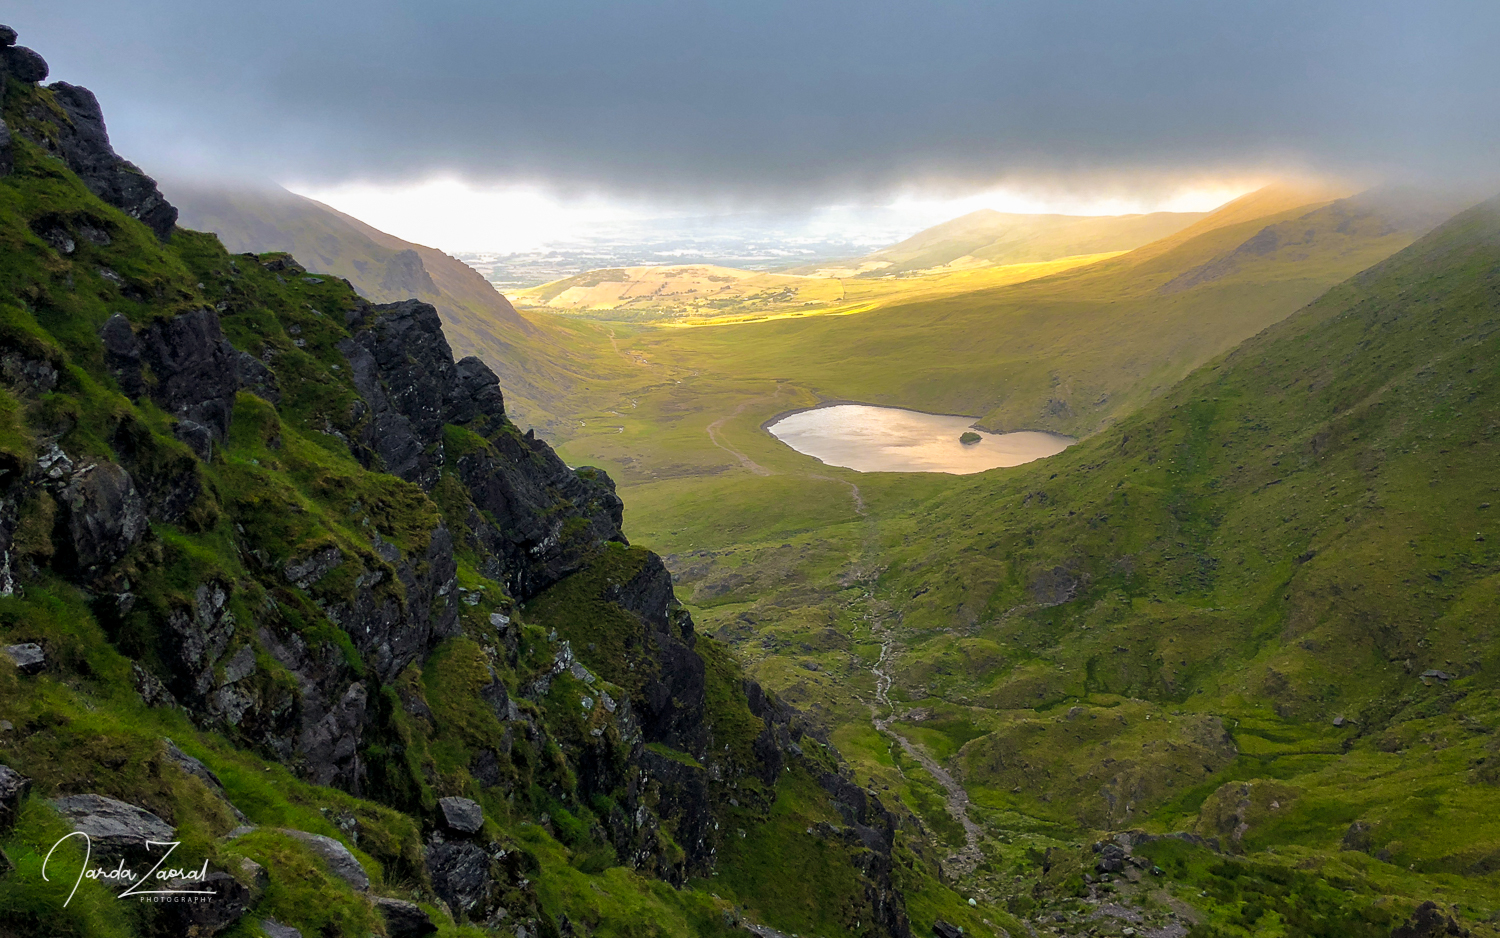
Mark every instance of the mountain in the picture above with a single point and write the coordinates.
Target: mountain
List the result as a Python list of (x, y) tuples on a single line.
[(282, 584), (988, 238), (1257, 616), (477, 319), (700, 294), (1227, 665)]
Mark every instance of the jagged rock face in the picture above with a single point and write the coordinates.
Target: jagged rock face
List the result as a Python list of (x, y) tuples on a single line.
[(391, 634), (321, 740), (478, 880), (671, 705), (196, 371), (404, 370), (82, 142)]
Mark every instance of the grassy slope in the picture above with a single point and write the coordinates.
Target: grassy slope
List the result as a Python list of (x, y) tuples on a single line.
[(1295, 534)]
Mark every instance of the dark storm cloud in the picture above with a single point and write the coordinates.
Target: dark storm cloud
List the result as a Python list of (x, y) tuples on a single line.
[(778, 98)]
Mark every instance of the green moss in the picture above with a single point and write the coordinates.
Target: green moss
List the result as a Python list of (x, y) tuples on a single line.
[(604, 636), (676, 755)]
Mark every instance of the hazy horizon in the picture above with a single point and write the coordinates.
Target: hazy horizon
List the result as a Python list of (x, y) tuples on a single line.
[(474, 128)]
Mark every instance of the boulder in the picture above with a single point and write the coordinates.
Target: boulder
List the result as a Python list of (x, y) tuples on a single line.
[(23, 64), (340, 861), (944, 929), (461, 876), (461, 814), (207, 915), (275, 929), (28, 657), (115, 829), (1428, 921), (14, 788), (1112, 858), (404, 919), (105, 515), (259, 879)]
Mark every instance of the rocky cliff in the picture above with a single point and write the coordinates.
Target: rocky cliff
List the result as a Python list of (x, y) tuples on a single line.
[(242, 505)]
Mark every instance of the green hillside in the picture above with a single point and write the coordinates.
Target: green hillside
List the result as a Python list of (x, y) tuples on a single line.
[(1287, 561), (1257, 612)]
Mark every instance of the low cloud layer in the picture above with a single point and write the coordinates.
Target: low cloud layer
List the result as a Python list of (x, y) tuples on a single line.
[(784, 100)]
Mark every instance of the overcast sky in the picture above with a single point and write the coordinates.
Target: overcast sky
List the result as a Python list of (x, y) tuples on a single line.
[(785, 101)]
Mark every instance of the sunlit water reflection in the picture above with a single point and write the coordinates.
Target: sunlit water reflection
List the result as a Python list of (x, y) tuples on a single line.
[(867, 438)]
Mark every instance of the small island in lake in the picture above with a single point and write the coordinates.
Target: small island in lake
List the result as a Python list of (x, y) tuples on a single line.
[(969, 438)]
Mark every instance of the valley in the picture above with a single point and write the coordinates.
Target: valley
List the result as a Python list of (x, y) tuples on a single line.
[(1020, 663), (645, 471), (886, 604)]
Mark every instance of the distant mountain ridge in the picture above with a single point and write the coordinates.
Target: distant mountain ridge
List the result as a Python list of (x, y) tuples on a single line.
[(990, 238)]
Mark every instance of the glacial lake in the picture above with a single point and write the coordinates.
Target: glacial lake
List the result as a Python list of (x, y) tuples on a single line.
[(867, 438)]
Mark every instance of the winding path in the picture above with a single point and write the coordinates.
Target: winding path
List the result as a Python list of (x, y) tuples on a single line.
[(746, 461), (859, 502), (970, 856)]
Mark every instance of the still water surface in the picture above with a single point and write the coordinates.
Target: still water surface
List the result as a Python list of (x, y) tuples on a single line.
[(867, 438)]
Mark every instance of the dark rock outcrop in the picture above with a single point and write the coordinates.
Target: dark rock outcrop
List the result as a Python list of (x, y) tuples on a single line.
[(1429, 921), (404, 919), (23, 64), (254, 376), (13, 790), (671, 706), (196, 371), (80, 139), (206, 915), (462, 877), (7, 153), (476, 879), (105, 515), (405, 373)]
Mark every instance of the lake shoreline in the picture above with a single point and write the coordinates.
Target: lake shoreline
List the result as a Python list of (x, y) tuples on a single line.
[(867, 437)]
